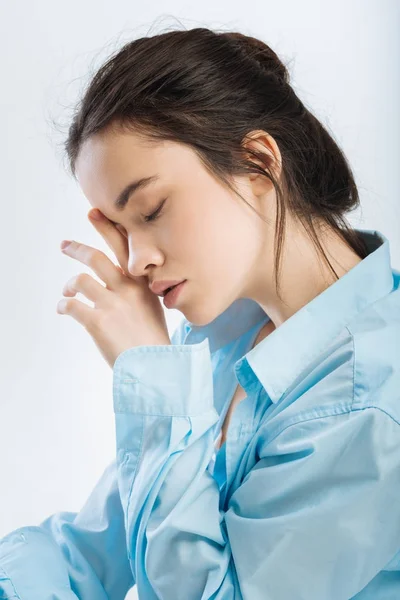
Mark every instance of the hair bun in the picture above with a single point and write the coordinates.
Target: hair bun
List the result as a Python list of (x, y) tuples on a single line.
[(262, 53)]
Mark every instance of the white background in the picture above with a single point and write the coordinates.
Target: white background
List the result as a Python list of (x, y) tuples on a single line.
[(56, 417)]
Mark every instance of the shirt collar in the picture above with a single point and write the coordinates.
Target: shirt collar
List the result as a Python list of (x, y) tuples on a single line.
[(280, 357)]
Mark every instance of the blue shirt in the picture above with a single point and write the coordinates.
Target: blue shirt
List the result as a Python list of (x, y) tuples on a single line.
[(302, 502)]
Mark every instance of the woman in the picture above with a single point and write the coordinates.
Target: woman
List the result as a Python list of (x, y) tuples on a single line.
[(258, 448)]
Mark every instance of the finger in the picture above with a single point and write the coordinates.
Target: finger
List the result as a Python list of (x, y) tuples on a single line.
[(80, 311), (114, 239), (89, 287), (97, 261)]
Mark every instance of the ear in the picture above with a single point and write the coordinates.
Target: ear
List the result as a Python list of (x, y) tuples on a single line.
[(268, 155)]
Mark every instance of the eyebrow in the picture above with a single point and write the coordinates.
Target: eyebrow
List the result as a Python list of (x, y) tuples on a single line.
[(135, 186)]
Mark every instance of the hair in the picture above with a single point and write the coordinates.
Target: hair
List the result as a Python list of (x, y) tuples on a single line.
[(211, 89)]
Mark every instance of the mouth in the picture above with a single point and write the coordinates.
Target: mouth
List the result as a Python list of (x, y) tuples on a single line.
[(165, 292), (172, 294)]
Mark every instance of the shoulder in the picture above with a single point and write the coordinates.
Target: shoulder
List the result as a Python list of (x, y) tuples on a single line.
[(359, 369), (376, 345)]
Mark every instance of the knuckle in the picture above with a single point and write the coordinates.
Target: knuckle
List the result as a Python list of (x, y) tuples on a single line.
[(95, 258), (81, 279), (67, 303), (98, 324)]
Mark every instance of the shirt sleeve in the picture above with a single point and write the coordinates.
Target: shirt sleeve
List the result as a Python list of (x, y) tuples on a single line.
[(316, 517), (71, 555)]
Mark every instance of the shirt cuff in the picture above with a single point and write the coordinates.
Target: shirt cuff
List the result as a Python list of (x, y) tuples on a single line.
[(32, 566), (166, 380)]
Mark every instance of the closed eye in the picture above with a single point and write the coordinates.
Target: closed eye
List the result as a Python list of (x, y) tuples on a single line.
[(156, 213), (147, 218)]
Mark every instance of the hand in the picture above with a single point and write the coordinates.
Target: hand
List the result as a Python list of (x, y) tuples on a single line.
[(126, 312)]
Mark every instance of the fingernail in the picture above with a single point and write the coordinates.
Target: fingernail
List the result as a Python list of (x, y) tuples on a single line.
[(64, 244)]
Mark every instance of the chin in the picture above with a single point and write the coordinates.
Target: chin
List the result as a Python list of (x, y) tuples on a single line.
[(196, 320), (200, 318)]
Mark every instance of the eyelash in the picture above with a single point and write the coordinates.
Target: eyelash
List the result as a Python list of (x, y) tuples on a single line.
[(149, 218), (155, 214)]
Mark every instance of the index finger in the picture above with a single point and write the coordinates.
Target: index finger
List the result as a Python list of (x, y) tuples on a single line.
[(114, 239)]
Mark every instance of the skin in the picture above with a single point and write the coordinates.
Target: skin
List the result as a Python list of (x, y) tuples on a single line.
[(205, 233)]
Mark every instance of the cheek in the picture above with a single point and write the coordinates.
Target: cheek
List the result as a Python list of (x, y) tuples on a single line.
[(211, 238)]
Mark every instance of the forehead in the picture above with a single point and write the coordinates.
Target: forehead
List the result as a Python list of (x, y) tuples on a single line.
[(107, 162), (109, 155)]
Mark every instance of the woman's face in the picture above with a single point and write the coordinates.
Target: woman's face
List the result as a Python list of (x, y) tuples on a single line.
[(204, 233)]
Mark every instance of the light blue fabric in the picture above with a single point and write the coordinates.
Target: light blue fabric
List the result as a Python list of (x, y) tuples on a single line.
[(302, 502)]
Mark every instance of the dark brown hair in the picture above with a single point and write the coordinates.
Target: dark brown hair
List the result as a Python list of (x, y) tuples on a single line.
[(209, 90)]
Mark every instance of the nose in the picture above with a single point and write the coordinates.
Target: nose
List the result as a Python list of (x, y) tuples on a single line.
[(143, 260)]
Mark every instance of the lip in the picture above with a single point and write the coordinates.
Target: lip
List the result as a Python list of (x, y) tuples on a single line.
[(171, 298), (159, 287)]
